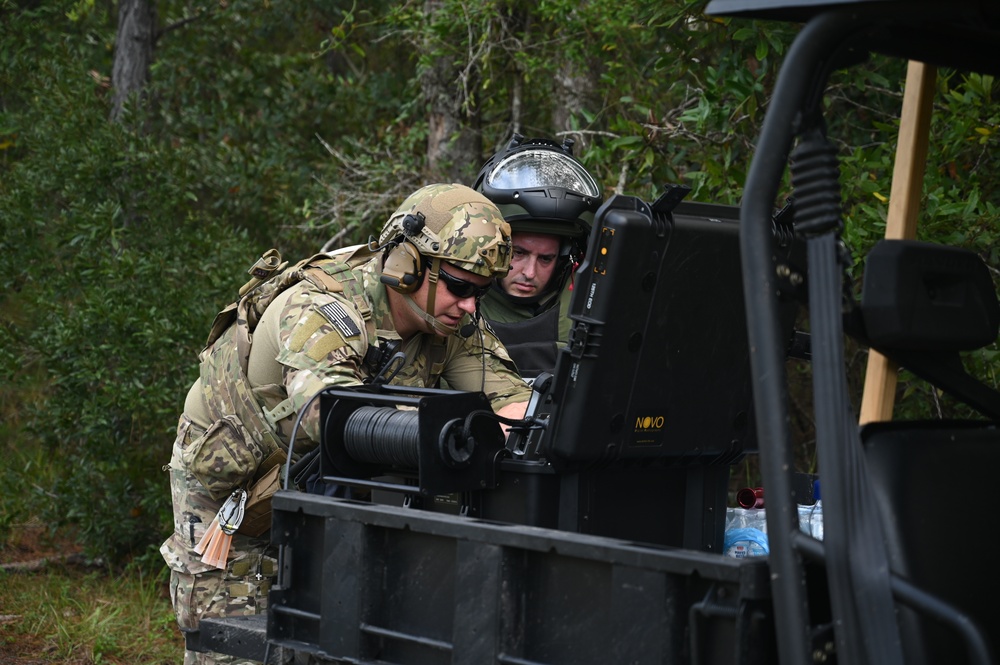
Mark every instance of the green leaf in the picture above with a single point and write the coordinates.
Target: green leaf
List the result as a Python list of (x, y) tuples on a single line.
[(762, 50)]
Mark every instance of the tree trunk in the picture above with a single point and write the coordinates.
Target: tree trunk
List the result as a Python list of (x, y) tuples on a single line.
[(453, 139), (133, 52), (574, 87), (515, 31)]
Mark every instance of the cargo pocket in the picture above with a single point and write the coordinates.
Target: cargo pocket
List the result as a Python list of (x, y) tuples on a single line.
[(224, 457), (187, 595)]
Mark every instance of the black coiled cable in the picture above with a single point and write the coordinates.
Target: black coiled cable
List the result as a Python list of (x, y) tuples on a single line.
[(380, 435)]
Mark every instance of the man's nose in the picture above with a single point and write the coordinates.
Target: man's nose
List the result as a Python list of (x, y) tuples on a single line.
[(467, 305), (529, 268)]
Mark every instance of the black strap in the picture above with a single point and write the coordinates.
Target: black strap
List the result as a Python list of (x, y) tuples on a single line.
[(859, 577), (856, 559), (379, 359)]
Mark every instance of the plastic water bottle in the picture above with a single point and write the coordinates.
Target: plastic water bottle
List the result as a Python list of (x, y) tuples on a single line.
[(811, 520), (745, 542)]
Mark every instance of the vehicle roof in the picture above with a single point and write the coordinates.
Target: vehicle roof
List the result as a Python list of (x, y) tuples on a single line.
[(801, 10), (962, 34)]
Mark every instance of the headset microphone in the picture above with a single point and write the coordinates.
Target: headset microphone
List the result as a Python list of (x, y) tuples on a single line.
[(470, 328)]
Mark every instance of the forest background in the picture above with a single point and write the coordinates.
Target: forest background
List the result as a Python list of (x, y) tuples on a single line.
[(150, 151)]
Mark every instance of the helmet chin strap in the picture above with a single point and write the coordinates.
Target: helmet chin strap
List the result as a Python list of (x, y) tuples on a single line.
[(437, 325), (432, 276)]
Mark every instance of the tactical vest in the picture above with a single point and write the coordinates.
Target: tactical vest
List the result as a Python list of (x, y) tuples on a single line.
[(241, 445), (533, 343), (224, 360)]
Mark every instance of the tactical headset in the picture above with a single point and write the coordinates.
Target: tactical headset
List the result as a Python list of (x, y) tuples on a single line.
[(403, 266), (402, 262)]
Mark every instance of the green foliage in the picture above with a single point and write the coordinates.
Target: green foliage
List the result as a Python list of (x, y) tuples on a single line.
[(117, 272), (958, 206), (238, 92), (666, 94)]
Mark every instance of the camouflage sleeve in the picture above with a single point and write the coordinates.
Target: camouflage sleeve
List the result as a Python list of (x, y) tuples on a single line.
[(464, 369), (322, 342)]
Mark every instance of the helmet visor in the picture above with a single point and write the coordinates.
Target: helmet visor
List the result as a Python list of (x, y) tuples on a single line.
[(529, 169)]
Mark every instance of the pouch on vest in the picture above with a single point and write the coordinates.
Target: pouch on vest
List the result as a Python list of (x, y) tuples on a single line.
[(224, 457), (257, 512)]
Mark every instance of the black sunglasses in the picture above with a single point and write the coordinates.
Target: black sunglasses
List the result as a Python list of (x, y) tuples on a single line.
[(460, 288)]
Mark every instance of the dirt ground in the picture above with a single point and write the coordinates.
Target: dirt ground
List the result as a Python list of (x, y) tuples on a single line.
[(26, 652)]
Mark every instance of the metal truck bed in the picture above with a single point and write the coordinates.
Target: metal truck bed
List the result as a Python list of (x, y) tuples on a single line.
[(367, 583)]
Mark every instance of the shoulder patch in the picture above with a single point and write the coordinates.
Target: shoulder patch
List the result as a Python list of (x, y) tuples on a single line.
[(338, 317)]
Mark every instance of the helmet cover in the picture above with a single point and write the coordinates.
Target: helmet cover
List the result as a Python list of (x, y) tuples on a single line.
[(459, 226)]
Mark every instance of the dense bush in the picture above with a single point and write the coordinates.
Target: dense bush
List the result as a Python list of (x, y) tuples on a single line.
[(116, 271)]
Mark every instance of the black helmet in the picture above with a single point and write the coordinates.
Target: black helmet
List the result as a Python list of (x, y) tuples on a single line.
[(541, 188)]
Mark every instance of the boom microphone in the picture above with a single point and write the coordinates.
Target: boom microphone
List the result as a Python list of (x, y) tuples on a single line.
[(470, 328)]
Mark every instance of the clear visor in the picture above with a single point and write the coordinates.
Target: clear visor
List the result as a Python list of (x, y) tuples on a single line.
[(542, 168)]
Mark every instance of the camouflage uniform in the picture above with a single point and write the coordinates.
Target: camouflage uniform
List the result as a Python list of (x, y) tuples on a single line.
[(306, 328)]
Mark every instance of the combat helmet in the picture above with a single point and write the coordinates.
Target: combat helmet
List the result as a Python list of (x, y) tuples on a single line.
[(541, 188), (451, 223)]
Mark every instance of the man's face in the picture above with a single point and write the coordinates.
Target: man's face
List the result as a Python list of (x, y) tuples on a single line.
[(532, 263), (449, 308)]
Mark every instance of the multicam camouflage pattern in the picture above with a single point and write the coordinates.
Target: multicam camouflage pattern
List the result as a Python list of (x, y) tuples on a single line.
[(334, 308), (197, 589), (461, 226), (194, 509), (429, 357), (239, 591), (206, 465), (240, 412), (224, 457)]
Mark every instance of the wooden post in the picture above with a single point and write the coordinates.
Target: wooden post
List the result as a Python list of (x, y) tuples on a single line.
[(901, 223)]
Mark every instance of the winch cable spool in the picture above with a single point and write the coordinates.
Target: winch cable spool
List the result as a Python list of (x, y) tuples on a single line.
[(383, 435), (391, 437)]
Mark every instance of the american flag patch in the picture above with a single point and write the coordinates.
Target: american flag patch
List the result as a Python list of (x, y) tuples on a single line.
[(335, 313)]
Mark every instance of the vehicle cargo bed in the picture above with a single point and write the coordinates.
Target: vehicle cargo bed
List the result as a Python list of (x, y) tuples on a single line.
[(369, 583)]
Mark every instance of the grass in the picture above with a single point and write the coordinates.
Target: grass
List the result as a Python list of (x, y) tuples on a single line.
[(79, 615), (65, 612)]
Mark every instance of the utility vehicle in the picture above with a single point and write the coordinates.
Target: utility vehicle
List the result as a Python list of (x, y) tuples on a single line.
[(593, 533)]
